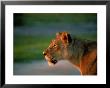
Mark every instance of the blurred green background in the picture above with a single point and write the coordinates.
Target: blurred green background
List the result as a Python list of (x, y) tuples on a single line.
[(34, 31)]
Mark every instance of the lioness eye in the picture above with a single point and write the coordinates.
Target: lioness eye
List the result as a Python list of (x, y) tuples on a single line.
[(54, 45)]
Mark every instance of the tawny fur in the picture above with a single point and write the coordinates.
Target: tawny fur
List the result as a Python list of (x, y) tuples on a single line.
[(82, 54)]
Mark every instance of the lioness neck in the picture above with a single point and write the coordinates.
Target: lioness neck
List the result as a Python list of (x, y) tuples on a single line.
[(77, 52), (82, 52)]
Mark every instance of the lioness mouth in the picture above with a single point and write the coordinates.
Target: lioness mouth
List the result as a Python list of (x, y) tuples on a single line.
[(51, 61)]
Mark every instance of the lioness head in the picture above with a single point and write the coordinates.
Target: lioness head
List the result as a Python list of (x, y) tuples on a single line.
[(57, 49)]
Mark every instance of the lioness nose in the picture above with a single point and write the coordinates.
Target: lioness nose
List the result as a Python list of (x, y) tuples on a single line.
[(44, 53)]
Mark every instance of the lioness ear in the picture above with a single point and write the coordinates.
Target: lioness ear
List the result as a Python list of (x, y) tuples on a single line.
[(66, 38), (69, 38), (58, 35)]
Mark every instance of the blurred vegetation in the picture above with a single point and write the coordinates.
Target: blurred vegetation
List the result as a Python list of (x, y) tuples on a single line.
[(31, 19), (92, 37), (30, 47)]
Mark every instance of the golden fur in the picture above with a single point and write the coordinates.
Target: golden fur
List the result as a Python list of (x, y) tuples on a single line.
[(82, 54)]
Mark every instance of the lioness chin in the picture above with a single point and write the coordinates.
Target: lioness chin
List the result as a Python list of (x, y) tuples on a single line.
[(82, 54)]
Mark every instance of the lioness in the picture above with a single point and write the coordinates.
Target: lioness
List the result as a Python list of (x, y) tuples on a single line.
[(82, 54)]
